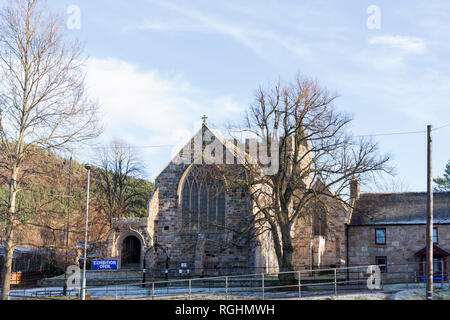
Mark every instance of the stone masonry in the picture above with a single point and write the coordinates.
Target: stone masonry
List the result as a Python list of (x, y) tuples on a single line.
[(165, 243)]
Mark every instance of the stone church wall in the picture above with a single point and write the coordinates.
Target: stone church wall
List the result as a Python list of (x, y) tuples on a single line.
[(205, 253), (226, 250), (123, 228), (320, 251)]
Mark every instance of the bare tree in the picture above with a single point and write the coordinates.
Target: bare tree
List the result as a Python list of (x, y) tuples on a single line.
[(42, 98), (316, 159), (388, 184), (118, 179)]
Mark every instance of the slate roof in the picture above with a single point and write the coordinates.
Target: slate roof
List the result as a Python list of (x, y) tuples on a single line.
[(399, 208), (20, 250), (230, 147)]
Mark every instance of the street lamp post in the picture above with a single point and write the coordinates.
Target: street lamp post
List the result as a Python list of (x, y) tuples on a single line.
[(155, 247), (166, 272), (145, 267), (83, 285), (167, 266)]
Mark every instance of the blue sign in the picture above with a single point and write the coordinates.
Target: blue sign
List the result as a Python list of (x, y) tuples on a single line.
[(434, 278), (109, 264)]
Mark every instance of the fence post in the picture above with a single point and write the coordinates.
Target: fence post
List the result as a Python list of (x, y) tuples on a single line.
[(190, 288), (299, 286), (335, 282), (153, 290), (226, 287), (262, 286), (407, 276), (442, 273)]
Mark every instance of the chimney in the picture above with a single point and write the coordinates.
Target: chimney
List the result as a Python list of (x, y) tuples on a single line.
[(354, 188)]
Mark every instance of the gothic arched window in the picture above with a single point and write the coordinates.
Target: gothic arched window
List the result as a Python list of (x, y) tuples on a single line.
[(203, 200), (221, 209), (203, 206), (320, 222), (212, 208), (185, 199), (194, 207)]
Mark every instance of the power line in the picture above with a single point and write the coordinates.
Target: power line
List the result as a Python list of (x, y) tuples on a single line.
[(127, 147), (359, 136), (390, 134), (401, 133), (444, 126)]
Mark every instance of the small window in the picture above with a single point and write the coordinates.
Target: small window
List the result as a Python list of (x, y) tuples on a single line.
[(435, 235), (437, 265), (382, 263), (380, 236)]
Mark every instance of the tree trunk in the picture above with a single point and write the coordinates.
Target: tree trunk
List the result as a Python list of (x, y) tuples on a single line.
[(9, 240), (284, 252), (286, 259), (7, 267)]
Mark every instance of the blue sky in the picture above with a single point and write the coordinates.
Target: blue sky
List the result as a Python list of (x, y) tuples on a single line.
[(157, 66)]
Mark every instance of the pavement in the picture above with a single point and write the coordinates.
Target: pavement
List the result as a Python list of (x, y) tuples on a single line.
[(414, 291)]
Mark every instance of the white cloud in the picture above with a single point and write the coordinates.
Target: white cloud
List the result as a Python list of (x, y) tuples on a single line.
[(405, 44), (374, 60), (227, 104), (145, 108), (260, 40), (163, 25), (145, 99)]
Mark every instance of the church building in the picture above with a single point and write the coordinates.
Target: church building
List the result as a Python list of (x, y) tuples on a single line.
[(196, 226)]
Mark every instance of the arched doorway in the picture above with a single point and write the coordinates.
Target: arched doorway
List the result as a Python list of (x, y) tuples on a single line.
[(131, 253)]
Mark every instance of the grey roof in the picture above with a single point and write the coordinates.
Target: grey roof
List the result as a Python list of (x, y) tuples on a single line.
[(21, 250), (399, 208)]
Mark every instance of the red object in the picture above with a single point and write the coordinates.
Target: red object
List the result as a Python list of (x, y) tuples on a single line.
[(438, 253)]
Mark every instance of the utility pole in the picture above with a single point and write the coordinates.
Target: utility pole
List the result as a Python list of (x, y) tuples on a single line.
[(429, 287)]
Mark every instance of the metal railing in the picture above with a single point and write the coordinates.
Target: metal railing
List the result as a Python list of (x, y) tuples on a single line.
[(207, 272), (274, 285)]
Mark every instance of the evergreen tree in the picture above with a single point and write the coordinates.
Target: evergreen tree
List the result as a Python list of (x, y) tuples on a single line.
[(443, 183)]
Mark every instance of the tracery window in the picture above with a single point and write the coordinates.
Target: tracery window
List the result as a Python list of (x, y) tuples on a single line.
[(320, 222), (203, 200)]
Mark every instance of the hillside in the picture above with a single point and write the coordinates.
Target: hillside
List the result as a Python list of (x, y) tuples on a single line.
[(55, 195)]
